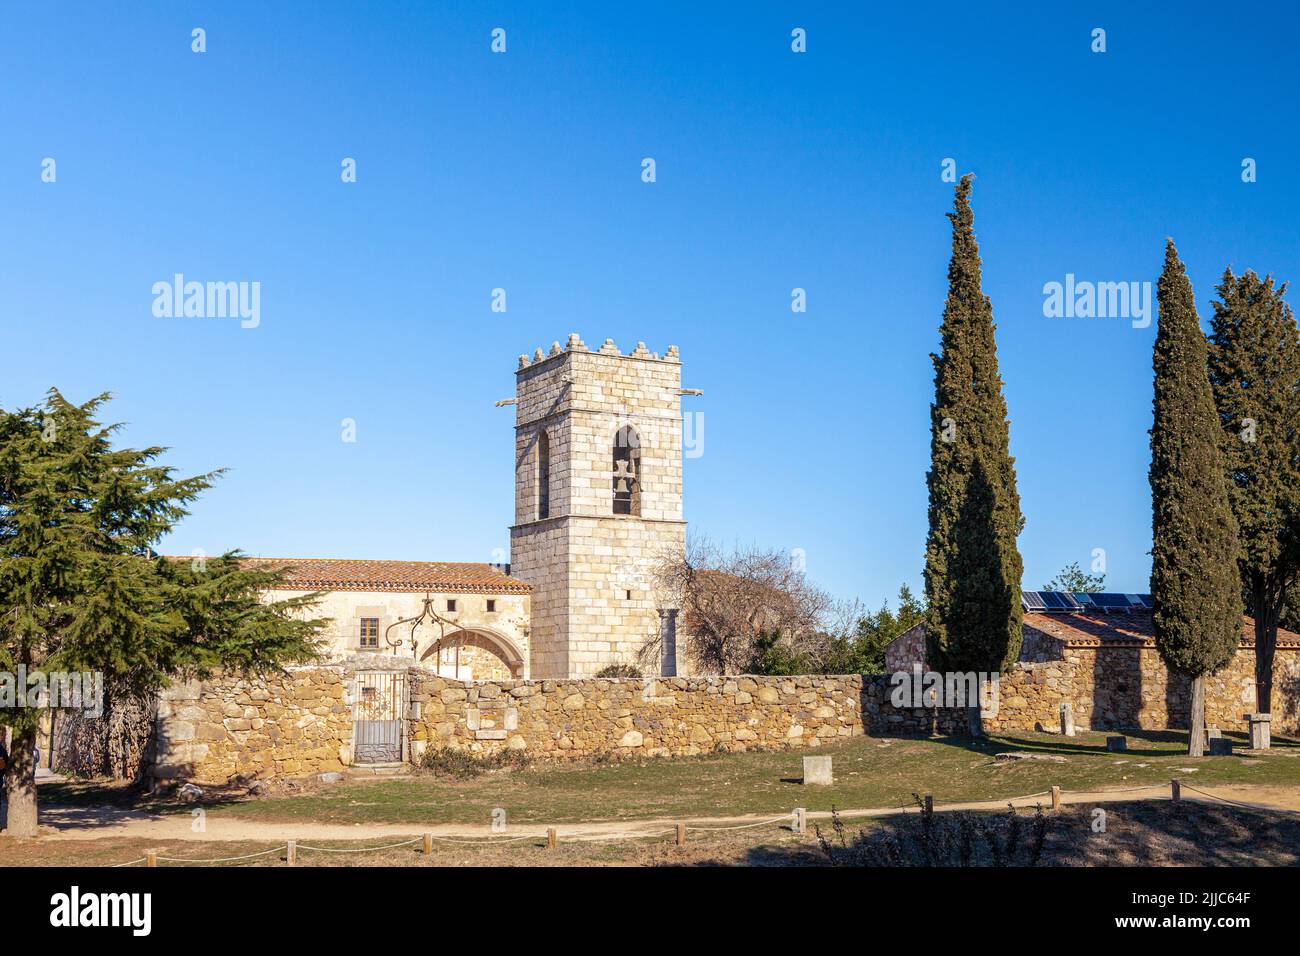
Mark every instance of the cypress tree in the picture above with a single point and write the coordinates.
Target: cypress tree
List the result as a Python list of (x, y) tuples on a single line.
[(972, 565), (1255, 373), (1194, 579)]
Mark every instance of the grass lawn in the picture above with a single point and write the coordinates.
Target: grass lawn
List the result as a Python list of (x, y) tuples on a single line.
[(869, 772)]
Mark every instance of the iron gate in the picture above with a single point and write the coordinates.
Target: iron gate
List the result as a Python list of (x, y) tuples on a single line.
[(377, 711)]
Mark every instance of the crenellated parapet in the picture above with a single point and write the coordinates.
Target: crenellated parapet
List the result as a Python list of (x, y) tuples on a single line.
[(574, 343)]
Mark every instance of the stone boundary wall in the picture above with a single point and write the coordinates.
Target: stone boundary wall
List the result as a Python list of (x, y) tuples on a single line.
[(301, 723), (1110, 688), (672, 716), (292, 725)]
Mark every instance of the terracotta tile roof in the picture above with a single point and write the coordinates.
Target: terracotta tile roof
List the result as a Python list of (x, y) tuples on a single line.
[(1135, 629), (336, 574)]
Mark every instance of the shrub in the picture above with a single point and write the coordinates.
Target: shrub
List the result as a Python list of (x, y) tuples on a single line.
[(776, 658), (619, 670), (463, 765)]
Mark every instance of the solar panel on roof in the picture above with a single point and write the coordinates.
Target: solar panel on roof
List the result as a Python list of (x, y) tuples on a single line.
[(1070, 603), (1111, 602), (1083, 597), (1146, 601), (1032, 600), (1054, 601)]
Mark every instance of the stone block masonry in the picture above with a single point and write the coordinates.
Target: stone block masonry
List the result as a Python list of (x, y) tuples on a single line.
[(1113, 678), (290, 725), (665, 717), (592, 566), (300, 724)]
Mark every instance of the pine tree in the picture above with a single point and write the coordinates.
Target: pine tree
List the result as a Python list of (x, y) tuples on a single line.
[(81, 590), (862, 650), (1073, 578), (1194, 580), (1255, 372), (973, 567)]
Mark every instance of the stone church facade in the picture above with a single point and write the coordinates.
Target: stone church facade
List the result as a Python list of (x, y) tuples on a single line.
[(598, 503)]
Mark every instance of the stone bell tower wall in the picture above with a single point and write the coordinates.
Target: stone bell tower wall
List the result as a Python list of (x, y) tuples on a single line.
[(594, 597)]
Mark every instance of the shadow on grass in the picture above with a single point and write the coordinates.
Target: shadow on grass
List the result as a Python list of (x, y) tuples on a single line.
[(1138, 833), (94, 804), (1175, 741)]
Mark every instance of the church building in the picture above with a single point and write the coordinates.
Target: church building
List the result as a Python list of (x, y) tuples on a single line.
[(598, 505)]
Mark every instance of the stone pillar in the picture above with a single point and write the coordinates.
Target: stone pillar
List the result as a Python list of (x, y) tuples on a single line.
[(1260, 734), (1067, 719), (668, 642)]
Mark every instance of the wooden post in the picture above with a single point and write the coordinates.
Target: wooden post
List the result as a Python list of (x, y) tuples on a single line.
[(800, 820), (1261, 737), (1176, 789), (929, 803), (291, 857), (1056, 798), (681, 834), (151, 859), (428, 844), (552, 838), (1196, 734)]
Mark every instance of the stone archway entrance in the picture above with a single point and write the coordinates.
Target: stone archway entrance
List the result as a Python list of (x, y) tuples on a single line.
[(474, 654)]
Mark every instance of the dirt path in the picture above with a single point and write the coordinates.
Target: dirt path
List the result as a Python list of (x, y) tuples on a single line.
[(95, 823)]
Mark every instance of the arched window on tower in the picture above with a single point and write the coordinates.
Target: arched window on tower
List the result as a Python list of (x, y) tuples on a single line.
[(627, 472), (543, 475)]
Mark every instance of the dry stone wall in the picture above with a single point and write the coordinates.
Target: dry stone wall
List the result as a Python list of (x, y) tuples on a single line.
[(665, 717), (301, 723), (1109, 688), (280, 726)]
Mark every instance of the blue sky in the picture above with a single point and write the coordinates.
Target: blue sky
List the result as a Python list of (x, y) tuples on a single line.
[(522, 171)]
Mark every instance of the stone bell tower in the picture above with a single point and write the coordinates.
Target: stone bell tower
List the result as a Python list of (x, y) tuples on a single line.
[(598, 501)]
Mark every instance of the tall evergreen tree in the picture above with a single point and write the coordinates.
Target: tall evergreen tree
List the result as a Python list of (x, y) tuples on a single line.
[(1194, 580), (80, 588), (1255, 372), (972, 565)]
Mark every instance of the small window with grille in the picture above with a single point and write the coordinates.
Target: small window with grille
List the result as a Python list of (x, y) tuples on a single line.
[(370, 632)]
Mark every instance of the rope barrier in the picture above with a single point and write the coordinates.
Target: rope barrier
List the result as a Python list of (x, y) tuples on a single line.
[(361, 849), (1236, 803), (490, 841), (224, 859), (744, 826)]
